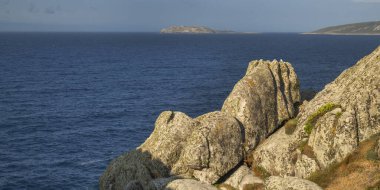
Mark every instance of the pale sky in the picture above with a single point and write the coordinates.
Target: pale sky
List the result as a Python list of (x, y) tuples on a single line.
[(152, 15)]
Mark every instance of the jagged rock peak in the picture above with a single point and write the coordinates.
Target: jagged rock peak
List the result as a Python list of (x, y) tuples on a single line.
[(263, 99)]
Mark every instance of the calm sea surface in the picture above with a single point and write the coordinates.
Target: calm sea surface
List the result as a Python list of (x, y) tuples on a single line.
[(70, 102)]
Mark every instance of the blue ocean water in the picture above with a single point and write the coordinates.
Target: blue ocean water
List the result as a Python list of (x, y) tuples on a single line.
[(71, 102)]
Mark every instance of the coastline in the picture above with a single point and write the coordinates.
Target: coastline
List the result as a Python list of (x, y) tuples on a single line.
[(341, 34)]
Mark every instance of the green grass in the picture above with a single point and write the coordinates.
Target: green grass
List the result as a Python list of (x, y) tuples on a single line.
[(310, 122)]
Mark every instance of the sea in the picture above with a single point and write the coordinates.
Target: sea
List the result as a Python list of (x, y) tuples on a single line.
[(72, 102)]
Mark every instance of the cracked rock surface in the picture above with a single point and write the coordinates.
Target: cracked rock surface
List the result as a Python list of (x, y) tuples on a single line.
[(213, 149), (345, 113), (263, 99)]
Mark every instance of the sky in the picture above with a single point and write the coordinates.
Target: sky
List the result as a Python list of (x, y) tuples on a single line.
[(153, 15)]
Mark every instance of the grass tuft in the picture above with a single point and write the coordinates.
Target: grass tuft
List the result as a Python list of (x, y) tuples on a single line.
[(290, 126), (310, 122)]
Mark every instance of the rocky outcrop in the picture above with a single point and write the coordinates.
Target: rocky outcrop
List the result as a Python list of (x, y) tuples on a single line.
[(195, 30), (169, 137), (133, 170), (289, 183), (205, 148), (187, 153), (213, 149), (330, 126), (188, 30), (263, 99)]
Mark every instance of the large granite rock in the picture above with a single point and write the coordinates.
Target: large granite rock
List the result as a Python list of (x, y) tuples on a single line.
[(263, 99), (169, 137), (154, 158), (330, 126), (205, 148), (133, 170), (213, 149), (289, 183)]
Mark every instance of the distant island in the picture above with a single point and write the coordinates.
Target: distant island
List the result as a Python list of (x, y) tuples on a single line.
[(363, 28), (193, 30)]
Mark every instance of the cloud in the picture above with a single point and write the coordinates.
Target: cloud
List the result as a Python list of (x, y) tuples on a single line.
[(366, 1), (32, 8), (49, 10), (5, 2)]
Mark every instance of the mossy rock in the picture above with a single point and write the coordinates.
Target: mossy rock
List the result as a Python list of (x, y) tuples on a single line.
[(310, 122)]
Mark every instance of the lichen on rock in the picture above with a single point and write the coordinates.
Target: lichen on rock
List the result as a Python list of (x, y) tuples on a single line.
[(213, 148), (345, 113), (263, 99)]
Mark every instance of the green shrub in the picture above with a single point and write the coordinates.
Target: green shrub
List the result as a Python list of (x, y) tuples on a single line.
[(290, 126), (310, 121), (338, 114)]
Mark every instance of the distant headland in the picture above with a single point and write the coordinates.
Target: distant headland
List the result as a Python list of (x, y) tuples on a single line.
[(194, 30), (363, 28)]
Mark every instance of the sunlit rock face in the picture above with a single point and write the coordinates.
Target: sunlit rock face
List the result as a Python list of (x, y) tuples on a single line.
[(263, 99), (330, 126)]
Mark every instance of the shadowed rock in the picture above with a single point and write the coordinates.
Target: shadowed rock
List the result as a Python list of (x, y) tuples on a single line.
[(133, 170)]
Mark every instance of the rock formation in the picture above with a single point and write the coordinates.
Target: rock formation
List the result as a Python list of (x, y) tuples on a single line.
[(169, 137), (261, 123), (263, 99), (196, 30), (188, 30), (330, 126), (133, 170), (213, 149)]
